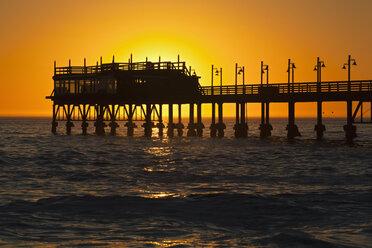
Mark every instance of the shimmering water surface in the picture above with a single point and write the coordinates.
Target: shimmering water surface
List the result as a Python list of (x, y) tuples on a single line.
[(117, 191)]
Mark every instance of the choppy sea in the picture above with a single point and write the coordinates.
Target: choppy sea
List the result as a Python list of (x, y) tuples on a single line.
[(118, 191)]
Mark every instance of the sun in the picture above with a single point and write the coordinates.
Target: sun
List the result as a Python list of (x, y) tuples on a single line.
[(168, 46)]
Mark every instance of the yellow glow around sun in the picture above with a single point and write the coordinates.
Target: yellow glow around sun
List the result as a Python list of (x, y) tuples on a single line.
[(168, 46)]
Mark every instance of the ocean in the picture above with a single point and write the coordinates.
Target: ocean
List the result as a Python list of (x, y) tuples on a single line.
[(118, 191)]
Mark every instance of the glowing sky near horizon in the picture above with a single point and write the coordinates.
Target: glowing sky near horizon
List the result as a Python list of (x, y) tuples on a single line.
[(35, 33)]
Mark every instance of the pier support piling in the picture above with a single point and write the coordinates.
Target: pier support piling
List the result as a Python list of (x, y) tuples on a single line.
[(54, 122), (199, 123), (99, 124), (265, 126), (84, 115), (220, 125), (69, 123), (148, 125), (84, 127), (349, 128), (130, 124), (171, 125), (237, 124), (213, 126), (243, 123), (160, 124), (191, 126), (240, 127), (292, 127), (319, 127), (180, 126), (113, 125)]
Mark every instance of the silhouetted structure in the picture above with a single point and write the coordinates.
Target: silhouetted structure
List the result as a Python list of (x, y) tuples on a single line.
[(131, 92)]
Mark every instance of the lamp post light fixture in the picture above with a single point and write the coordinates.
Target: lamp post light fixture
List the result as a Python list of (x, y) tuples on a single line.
[(240, 127), (291, 67), (239, 70), (318, 68), (348, 65), (216, 72), (263, 69)]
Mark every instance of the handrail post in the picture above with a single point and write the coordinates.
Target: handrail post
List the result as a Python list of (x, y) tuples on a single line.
[(236, 78), (221, 80), (289, 76), (243, 81)]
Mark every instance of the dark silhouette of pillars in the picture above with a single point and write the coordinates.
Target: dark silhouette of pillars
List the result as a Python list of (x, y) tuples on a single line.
[(171, 125), (262, 133), (180, 126), (243, 123), (54, 121), (69, 123), (220, 125), (84, 124), (265, 126), (113, 125), (199, 123), (213, 126), (191, 127), (130, 124), (240, 127), (267, 112), (292, 127), (148, 125), (160, 125), (99, 124), (349, 128), (237, 132), (319, 127), (237, 112)]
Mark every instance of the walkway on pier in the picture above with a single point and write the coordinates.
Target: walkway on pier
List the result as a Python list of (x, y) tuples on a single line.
[(300, 92)]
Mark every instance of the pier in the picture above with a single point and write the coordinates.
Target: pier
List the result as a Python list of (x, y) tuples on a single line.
[(105, 93)]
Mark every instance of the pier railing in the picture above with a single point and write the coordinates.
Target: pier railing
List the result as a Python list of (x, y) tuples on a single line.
[(285, 88), (110, 67)]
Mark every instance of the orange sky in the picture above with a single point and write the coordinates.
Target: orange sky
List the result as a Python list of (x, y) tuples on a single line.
[(35, 33)]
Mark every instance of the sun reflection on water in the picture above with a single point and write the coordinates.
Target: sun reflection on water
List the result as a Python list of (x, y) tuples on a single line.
[(158, 195), (162, 161), (159, 151), (168, 243)]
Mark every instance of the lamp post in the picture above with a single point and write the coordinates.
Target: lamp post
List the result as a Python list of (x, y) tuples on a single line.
[(214, 72), (348, 64), (240, 127), (291, 67), (349, 128), (265, 126), (239, 70), (291, 127), (263, 69), (319, 127), (318, 68)]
